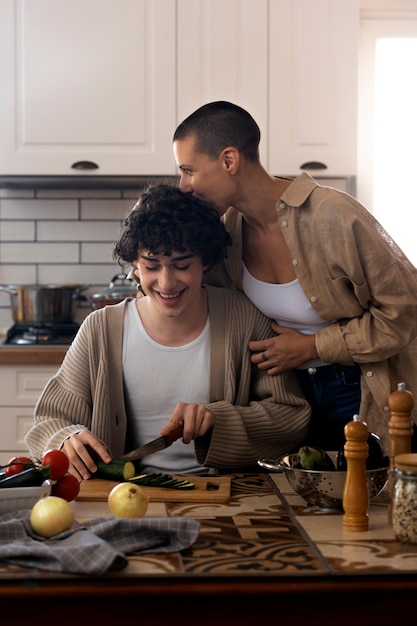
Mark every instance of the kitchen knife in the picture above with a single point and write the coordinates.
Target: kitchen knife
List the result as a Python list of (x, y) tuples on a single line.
[(160, 443)]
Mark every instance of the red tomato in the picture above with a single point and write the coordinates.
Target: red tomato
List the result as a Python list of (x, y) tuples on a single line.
[(66, 487), (17, 464), (58, 463)]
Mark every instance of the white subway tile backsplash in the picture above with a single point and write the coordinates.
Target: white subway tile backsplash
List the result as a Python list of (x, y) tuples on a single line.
[(16, 193), (6, 320), (4, 298), (78, 193), (50, 236), (39, 209), (17, 231), (23, 274), (12, 275), (39, 253), (132, 194), (105, 209), (78, 231), (85, 274), (97, 252)]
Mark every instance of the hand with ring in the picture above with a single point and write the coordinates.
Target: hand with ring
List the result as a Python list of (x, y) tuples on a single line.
[(288, 349)]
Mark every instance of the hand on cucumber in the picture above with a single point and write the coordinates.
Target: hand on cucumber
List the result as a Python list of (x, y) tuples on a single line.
[(83, 451)]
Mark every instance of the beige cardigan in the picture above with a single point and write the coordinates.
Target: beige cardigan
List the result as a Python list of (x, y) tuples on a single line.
[(256, 415)]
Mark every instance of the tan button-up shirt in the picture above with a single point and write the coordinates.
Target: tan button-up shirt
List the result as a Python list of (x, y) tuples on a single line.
[(354, 274)]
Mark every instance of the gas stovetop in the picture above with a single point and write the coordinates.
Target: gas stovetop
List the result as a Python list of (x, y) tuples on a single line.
[(36, 334)]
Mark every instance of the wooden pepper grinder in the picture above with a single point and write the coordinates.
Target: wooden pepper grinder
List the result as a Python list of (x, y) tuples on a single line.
[(400, 430), (355, 494), (400, 426)]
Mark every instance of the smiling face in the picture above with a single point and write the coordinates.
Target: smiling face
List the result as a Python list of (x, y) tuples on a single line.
[(210, 180), (172, 283)]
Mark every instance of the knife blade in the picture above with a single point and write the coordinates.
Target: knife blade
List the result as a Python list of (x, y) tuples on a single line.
[(160, 443)]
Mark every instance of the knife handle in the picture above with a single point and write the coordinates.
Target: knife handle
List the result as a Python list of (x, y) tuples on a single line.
[(174, 434)]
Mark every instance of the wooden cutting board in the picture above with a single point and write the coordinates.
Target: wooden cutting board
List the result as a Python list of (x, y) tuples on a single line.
[(207, 489)]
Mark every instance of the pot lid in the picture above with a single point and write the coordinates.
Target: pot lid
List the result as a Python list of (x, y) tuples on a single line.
[(125, 287)]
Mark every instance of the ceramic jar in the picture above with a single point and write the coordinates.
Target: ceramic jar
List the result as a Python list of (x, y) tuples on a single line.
[(404, 498)]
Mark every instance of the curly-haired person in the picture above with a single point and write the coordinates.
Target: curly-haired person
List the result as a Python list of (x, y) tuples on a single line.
[(174, 360)]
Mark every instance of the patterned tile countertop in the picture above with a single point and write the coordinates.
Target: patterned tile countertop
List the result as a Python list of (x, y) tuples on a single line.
[(266, 530), (375, 551)]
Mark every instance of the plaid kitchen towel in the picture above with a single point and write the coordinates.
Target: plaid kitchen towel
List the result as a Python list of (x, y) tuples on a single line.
[(94, 547)]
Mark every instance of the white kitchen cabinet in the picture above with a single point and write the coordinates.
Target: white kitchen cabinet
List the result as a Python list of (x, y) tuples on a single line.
[(106, 83), (224, 56), (291, 63), (313, 69), (87, 82), (20, 388)]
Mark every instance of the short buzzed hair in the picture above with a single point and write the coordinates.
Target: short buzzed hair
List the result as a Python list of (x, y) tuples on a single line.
[(220, 124)]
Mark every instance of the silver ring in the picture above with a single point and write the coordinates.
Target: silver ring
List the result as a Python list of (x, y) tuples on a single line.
[(264, 357)]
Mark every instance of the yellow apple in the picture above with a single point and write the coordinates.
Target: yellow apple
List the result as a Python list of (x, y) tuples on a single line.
[(51, 516), (128, 500)]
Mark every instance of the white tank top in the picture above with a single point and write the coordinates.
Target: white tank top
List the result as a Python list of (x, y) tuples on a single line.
[(156, 378), (286, 304)]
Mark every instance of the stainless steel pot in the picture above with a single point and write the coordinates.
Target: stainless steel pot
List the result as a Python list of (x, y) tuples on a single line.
[(44, 304), (115, 292)]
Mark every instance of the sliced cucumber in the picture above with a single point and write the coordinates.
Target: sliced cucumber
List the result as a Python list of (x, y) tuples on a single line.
[(115, 470), (161, 480), (184, 484)]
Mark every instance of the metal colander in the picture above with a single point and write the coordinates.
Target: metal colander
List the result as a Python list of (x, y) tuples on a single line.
[(323, 489)]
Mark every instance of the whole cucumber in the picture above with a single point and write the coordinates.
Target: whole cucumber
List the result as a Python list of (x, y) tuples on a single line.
[(31, 477), (115, 470)]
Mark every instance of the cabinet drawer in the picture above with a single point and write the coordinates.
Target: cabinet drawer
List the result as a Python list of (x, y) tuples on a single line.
[(14, 424), (22, 385)]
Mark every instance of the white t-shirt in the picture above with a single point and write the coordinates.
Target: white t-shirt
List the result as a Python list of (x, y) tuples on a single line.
[(286, 304), (156, 378)]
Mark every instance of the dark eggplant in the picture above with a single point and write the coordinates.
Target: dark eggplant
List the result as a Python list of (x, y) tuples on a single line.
[(376, 455), (32, 477)]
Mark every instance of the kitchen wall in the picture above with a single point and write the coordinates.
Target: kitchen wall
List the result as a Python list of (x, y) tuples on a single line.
[(60, 236)]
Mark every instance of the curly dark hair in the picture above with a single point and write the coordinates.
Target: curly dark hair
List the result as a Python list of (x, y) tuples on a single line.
[(165, 220)]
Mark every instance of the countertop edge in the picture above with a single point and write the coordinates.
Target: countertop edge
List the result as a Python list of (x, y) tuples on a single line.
[(22, 355)]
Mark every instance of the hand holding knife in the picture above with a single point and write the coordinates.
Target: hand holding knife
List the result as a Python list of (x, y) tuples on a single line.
[(160, 443)]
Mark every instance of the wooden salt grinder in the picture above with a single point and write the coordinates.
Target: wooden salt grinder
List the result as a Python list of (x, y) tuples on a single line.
[(400, 426), (355, 494), (400, 430)]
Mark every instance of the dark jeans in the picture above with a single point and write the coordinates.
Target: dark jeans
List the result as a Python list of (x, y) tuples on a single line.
[(334, 393)]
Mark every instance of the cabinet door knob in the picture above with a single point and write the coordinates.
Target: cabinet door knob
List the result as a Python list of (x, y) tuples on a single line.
[(313, 165), (84, 165)]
